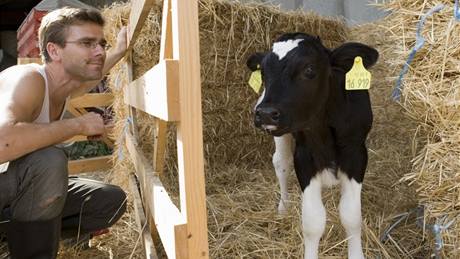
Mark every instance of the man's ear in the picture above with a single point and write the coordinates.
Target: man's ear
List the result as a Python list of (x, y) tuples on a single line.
[(344, 55), (254, 61), (53, 51)]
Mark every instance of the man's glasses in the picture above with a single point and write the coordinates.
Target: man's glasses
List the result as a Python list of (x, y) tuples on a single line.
[(90, 44)]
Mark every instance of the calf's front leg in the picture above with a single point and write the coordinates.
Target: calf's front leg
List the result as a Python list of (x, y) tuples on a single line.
[(350, 214), (283, 162), (313, 217)]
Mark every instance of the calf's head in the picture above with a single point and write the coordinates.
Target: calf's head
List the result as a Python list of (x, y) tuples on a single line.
[(297, 75)]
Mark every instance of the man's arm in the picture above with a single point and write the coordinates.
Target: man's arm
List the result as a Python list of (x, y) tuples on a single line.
[(21, 97), (113, 56)]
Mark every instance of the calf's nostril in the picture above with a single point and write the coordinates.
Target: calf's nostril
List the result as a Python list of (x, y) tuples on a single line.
[(275, 115)]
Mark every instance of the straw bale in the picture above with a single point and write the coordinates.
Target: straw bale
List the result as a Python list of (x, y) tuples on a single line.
[(241, 186), (431, 100)]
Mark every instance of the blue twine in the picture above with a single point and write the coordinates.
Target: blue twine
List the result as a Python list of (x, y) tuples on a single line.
[(128, 121), (436, 229), (396, 94), (456, 11)]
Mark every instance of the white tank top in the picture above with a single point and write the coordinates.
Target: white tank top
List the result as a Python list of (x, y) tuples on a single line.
[(44, 116)]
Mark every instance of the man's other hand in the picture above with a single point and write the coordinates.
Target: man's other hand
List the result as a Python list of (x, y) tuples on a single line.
[(91, 124), (122, 41)]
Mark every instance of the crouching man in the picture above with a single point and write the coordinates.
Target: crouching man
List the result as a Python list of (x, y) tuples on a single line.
[(36, 194)]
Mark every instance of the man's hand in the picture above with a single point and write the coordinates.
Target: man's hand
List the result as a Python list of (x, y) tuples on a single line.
[(108, 128), (91, 124), (122, 41)]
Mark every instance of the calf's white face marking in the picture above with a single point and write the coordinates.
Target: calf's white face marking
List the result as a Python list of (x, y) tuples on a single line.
[(282, 48)]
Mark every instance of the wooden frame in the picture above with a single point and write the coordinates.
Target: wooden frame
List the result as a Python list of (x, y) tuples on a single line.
[(171, 92)]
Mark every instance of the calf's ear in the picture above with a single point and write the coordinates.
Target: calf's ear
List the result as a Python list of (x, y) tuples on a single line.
[(344, 55), (254, 60)]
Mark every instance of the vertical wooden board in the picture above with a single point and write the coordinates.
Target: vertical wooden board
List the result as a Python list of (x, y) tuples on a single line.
[(166, 48), (181, 242), (131, 110), (189, 134), (139, 12), (160, 145)]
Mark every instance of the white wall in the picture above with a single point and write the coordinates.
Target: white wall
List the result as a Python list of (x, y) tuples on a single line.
[(354, 11)]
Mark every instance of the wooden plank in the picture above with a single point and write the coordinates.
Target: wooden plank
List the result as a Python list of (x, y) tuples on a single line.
[(186, 49), (22, 61), (166, 215), (92, 100), (139, 12), (89, 165), (141, 221), (131, 110), (77, 139), (73, 110), (166, 47), (156, 92), (160, 145)]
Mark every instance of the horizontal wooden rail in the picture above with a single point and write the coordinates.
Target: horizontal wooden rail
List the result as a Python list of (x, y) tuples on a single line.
[(89, 164), (168, 220), (156, 92), (77, 139), (92, 100)]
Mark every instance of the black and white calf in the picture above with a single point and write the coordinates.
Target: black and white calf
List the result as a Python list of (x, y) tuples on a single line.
[(320, 128)]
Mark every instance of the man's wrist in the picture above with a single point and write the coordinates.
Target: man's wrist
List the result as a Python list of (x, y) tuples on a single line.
[(76, 126)]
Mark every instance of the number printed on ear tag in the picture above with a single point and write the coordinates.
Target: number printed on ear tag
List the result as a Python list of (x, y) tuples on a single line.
[(358, 78)]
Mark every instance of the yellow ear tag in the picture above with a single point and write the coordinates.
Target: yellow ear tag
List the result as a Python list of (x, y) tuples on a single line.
[(255, 81), (358, 78)]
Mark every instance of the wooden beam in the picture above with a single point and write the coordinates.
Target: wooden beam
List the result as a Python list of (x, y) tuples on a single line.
[(166, 47), (141, 220), (139, 12), (156, 92), (89, 165), (92, 100), (168, 219), (190, 132)]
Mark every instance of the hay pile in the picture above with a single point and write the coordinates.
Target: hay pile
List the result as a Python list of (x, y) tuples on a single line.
[(240, 183), (431, 97)]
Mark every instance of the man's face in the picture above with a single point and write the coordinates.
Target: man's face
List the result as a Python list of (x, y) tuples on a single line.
[(83, 55)]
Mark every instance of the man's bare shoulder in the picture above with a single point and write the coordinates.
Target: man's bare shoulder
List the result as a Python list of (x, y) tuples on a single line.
[(22, 90)]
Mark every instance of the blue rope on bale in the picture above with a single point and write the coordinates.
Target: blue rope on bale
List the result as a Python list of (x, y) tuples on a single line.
[(437, 228), (419, 41), (128, 121), (456, 11)]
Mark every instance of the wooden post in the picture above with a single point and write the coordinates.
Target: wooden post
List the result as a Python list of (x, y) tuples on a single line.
[(186, 48)]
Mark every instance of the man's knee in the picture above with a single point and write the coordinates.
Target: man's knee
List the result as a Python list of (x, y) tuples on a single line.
[(112, 199), (117, 197), (44, 185), (48, 160)]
